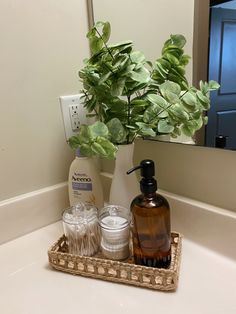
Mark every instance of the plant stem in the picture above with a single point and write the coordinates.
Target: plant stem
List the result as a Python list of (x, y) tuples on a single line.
[(183, 94), (109, 51)]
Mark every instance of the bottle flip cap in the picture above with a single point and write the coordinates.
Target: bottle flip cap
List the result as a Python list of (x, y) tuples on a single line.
[(147, 184)]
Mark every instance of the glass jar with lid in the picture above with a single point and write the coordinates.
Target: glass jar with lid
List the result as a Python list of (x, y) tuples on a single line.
[(82, 230), (114, 221)]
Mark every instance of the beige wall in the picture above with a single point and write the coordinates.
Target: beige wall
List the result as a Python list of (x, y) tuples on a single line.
[(36, 67), (43, 44), (148, 23)]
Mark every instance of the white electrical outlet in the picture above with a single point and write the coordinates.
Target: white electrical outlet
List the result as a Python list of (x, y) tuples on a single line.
[(74, 114), (74, 117)]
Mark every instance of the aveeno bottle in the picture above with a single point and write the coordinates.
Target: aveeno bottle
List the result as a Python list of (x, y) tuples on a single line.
[(84, 182)]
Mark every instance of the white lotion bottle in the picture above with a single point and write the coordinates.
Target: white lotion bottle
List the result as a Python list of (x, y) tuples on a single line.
[(84, 182)]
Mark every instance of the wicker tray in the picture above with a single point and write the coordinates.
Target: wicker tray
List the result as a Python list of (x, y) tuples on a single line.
[(122, 272)]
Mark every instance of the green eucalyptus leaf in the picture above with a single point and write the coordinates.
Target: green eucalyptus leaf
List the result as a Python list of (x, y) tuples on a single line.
[(213, 85), (136, 110), (199, 123), (108, 147), (184, 85), (189, 99), (184, 60), (104, 78), (124, 71), (153, 113), (179, 72), (121, 45), (178, 40), (157, 100), (196, 114), (170, 91), (175, 51), (118, 87), (161, 71), (85, 150), (180, 69), (138, 102), (142, 75), (137, 57), (204, 100), (188, 130), (95, 44), (191, 126), (203, 87), (90, 104), (117, 131), (150, 64), (135, 86), (169, 86), (84, 135), (202, 97), (138, 66), (106, 144), (98, 129), (117, 106), (191, 110), (205, 120), (91, 33), (98, 150), (131, 127), (172, 59), (145, 129), (172, 98), (176, 71), (179, 112), (99, 24), (177, 78), (74, 142), (164, 126), (96, 57), (176, 132), (195, 124), (165, 64), (106, 32), (120, 61)]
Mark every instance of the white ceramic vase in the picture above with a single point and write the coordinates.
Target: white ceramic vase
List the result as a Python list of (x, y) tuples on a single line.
[(124, 187)]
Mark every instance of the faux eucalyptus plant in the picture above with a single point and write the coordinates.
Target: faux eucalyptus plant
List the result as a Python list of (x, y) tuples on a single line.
[(132, 97)]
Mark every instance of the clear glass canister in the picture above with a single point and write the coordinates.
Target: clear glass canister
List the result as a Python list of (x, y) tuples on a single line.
[(82, 230), (114, 221)]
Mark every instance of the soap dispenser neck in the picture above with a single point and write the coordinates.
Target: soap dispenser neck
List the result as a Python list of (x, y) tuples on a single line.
[(149, 196)]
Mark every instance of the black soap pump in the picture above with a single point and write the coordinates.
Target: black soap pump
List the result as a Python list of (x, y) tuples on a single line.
[(150, 221)]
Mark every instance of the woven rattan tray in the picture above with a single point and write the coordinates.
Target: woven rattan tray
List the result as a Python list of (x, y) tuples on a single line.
[(122, 272)]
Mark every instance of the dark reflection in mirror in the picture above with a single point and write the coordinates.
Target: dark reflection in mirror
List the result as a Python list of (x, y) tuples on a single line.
[(220, 131)]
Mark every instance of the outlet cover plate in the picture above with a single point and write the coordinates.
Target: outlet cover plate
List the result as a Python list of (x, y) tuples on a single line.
[(72, 118)]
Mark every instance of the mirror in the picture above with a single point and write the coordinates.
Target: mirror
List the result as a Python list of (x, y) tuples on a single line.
[(149, 23)]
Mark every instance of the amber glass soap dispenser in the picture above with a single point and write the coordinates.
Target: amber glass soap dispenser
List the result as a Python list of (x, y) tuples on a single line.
[(150, 221)]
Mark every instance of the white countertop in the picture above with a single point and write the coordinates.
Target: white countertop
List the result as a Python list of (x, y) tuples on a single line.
[(28, 285)]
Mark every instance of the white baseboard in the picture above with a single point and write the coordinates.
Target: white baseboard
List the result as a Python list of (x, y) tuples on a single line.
[(25, 213)]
